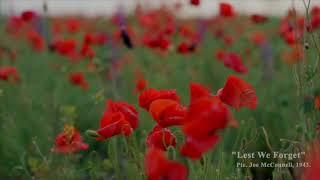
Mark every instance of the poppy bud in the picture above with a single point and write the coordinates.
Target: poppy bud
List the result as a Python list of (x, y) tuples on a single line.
[(92, 133)]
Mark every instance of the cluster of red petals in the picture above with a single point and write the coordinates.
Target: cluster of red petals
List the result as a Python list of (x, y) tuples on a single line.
[(150, 95), (95, 38), (195, 2), (158, 167), (9, 73), (258, 18), (206, 115), (118, 118), (226, 10), (315, 19), (237, 93), (258, 38), (156, 42), (232, 61), (167, 112), (141, 82), (161, 138), (28, 16), (69, 141), (36, 40), (186, 48), (78, 79)]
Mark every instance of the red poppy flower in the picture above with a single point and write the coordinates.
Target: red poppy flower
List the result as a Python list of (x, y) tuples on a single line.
[(73, 25), (257, 18), (195, 148), (258, 38), (119, 118), (157, 167), (78, 79), (198, 91), (234, 62), (149, 95), (226, 10), (159, 41), (185, 48), (9, 73), (220, 54), (161, 138), (167, 112), (64, 47), (69, 141), (28, 16), (228, 40), (205, 117), (15, 25), (95, 38), (238, 93), (195, 2), (315, 21), (87, 51), (290, 37), (315, 10), (36, 40), (293, 55), (141, 84)]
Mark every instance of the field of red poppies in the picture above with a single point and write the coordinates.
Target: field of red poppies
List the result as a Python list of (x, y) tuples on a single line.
[(151, 96)]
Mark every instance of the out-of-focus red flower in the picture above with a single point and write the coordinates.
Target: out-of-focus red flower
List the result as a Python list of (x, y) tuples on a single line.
[(315, 21), (220, 54), (15, 25), (237, 93), (64, 47), (95, 38), (150, 95), (157, 167), (234, 62), (141, 85), (73, 25), (294, 55), (118, 118), (311, 170), (36, 40), (78, 79), (28, 16), (226, 10), (69, 141), (161, 138), (159, 41), (258, 38), (185, 48), (195, 2), (228, 40), (258, 18), (315, 10), (87, 51), (317, 102), (9, 73), (290, 37), (194, 148), (167, 112)]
